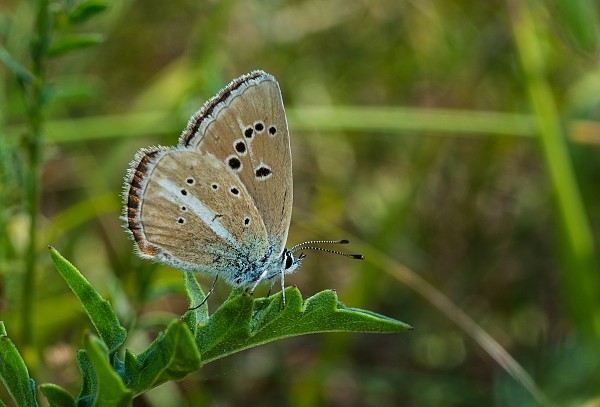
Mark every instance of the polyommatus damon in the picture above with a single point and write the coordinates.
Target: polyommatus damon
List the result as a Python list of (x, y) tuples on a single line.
[(220, 203)]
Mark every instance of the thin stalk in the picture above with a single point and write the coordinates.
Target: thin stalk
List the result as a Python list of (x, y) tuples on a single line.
[(4, 168), (579, 274), (438, 300), (33, 143)]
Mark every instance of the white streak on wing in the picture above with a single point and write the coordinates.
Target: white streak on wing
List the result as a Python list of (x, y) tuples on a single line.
[(173, 193)]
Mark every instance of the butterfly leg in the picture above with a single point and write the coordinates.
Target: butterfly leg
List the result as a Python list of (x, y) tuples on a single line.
[(212, 288), (283, 287), (270, 288), (260, 278)]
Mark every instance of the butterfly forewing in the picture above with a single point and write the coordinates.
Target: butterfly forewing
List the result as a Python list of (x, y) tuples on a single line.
[(246, 128)]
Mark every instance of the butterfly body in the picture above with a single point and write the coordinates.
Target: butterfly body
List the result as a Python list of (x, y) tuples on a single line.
[(220, 202)]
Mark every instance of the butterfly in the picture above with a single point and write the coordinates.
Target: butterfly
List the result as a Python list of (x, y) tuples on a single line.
[(220, 202)]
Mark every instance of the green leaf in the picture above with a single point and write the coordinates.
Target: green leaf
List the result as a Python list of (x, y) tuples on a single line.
[(89, 385), (18, 69), (242, 322), (226, 328), (111, 389), (86, 10), (239, 323), (172, 356), (195, 296), (98, 309), (74, 42), (13, 372), (57, 396)]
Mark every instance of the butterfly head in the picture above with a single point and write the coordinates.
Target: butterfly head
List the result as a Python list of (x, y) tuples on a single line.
[(291, 262), (286, 263)]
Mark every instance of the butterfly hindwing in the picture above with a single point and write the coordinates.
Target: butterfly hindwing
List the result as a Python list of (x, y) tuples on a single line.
[(193, 213)]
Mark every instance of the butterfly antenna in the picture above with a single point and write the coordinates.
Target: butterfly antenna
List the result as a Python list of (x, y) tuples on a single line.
[(298, 246), (303, 246)]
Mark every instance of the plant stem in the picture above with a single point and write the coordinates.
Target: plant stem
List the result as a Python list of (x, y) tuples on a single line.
[(579, 273), (39, 46)]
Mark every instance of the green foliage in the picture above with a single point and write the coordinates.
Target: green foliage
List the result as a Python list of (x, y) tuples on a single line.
[(172, 356), (185, 345), (57, 396), (13, 372), (74, 42), (56, 20), (243, 322), (87, 10), (98, 309), (109, 389), (19, 70)]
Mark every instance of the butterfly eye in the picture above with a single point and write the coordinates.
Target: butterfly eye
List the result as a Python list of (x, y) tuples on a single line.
[(289, 260), (272, 130), (190, 181), (259, 126), (249, 132), (214, 186)]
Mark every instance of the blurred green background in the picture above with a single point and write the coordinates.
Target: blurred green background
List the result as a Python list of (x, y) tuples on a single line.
[(456, 144)]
